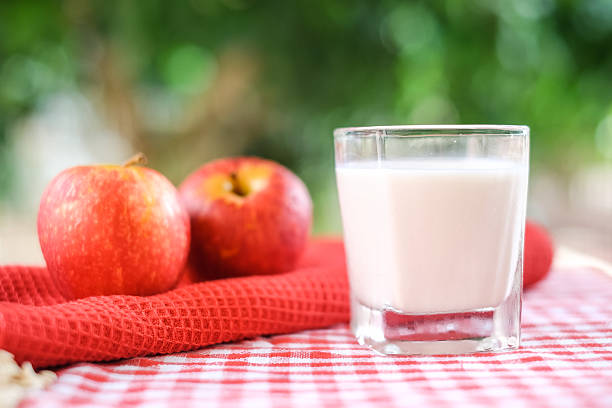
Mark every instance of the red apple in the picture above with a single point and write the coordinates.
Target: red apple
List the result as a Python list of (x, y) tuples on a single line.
[(112, 229), (249, 216)]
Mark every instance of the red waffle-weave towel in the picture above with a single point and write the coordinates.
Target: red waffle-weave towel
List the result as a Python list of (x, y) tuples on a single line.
[(565, 361), (39, 325)]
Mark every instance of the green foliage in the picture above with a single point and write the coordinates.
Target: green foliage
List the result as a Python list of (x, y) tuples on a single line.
[(324, 64)]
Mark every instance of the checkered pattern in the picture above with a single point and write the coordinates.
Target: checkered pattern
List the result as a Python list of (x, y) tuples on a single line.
[(565, 361)]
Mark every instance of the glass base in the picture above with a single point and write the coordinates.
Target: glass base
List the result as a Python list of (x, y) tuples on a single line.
[(390, 331)]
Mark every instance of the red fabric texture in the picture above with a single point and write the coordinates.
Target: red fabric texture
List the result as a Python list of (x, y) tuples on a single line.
[(565, 361), (38, 324), (539, 252)]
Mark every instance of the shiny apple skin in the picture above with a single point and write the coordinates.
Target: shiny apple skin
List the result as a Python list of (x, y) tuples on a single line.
[(113, 230), (263, 232)]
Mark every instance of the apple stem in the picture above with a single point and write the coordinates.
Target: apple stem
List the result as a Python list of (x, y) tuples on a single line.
[(236, 188), (138, 158)]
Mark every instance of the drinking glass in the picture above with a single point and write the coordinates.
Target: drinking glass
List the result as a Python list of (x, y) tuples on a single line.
[(433, 220)]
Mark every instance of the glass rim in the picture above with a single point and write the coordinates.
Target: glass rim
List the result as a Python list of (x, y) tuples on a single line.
[(432, 130)]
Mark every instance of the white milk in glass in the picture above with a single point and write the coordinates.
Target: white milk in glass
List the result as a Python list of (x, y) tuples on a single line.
[(432, 236)]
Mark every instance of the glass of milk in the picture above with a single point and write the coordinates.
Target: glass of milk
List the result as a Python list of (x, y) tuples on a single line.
[(433, 220)]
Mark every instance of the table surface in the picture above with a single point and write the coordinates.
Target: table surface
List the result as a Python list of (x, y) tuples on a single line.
[(565, 360)]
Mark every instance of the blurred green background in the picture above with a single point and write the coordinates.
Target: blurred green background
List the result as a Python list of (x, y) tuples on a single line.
[(188, 81)]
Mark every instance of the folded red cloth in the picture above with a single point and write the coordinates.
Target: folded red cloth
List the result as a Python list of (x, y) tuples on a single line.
[(38, 324), (538, 254)]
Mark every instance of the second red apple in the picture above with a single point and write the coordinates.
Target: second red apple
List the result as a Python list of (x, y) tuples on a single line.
[(249, 216)]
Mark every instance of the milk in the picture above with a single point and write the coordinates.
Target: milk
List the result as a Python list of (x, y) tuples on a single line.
[(432, 236)]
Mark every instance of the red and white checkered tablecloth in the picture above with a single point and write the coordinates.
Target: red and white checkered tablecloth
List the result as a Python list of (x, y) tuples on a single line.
[(565, 361)]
